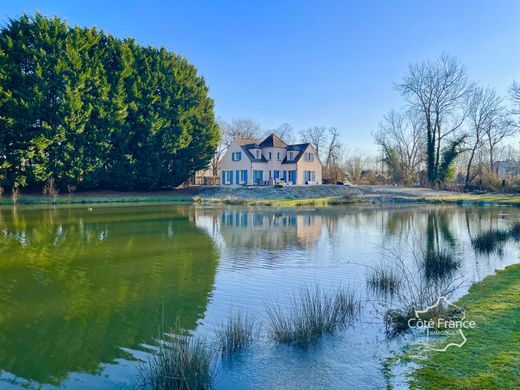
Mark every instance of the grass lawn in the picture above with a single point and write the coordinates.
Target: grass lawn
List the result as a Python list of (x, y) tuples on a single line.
[(490, 359), (512, 200)]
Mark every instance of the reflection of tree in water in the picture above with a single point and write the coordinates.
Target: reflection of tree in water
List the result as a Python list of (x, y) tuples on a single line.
[(438, 230), (76, 286)]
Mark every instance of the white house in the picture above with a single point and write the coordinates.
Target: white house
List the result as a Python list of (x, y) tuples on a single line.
[(271, 161)]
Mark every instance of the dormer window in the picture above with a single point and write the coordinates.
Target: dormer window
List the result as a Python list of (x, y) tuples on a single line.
[(270, 155), (290, 156), (258, 154), (279, 156)]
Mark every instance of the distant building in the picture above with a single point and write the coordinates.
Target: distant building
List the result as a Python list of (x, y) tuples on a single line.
[(507, 168), (271, 161)]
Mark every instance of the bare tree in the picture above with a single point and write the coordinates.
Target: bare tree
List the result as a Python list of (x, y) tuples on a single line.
[(501, 127), (238, 128), (317, 137), (514, 91), (285, 132), (241, 129), (403, 134), (333, 147), (485, 114), (438, 90)]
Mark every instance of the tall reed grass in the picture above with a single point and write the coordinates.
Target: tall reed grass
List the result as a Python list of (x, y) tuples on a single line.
[(384, 281), (185, 363), (490, 241), (236, 334), (439, 264), (312, 313)]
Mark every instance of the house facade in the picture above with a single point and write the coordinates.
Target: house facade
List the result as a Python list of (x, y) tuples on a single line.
[(271, 161), (505, 169)]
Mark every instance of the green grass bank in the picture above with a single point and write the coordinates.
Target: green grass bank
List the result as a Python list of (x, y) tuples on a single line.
[(490, 359)]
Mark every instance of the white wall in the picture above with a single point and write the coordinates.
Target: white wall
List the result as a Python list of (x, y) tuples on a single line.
[(304, 165), (228, 164)]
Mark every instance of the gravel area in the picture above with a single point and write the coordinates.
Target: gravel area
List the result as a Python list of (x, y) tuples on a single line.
[(316, 192)]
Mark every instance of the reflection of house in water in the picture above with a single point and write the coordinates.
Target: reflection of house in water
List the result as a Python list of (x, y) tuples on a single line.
[(273, 230)]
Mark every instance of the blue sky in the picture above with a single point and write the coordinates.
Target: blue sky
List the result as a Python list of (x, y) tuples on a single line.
[(330, 63)]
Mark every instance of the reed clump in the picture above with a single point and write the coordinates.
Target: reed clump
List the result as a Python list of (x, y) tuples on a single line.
[(236, 334), (439, 264), (384, 280), (312, 313), (514, 230), (490, 241), (185, 363)]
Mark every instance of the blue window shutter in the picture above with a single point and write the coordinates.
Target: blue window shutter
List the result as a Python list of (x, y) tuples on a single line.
[(237, 175), (294, 177), (230, 177), (285, 176), (313, 173), (245, 179), (223, 176)]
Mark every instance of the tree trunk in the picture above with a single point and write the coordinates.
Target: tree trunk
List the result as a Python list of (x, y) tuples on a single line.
[(468, 170)]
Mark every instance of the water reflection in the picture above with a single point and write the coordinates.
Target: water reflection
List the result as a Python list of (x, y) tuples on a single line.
[(77, 286), (272, 230)]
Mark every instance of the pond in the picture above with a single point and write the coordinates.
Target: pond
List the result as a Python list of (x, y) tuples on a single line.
[(84, 291)]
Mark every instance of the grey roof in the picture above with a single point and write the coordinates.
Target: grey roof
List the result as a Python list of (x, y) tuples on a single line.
[(247, 151), (273, 140), (299, 148), (270, 141)]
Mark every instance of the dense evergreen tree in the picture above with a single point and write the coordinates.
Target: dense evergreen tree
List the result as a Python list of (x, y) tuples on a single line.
[(85, 109)]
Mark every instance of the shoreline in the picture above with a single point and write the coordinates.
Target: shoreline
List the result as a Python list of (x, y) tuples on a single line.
[(494, 304), (325, 195)]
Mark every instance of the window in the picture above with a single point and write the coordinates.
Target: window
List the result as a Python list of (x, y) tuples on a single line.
[(257, 154), (291, 157), (309, 176), (309, 156), (270, 155), (236, 156), (279, 156), (258, 176), (228, 177), (243, 176), (292, 177)]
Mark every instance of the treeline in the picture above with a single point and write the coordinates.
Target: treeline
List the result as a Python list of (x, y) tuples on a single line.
[(82, 109), (451, 130)]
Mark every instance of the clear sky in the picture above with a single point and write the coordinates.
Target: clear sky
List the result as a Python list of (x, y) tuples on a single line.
[(330, 63)]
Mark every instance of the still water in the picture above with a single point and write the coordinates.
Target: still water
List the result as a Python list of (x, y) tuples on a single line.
[(84, 292)]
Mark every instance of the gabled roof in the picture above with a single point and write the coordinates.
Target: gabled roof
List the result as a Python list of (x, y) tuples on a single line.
[(247, 151), (242, 141), (299, 149), (273, 141)]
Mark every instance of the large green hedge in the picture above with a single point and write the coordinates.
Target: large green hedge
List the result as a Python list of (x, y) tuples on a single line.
[(85, 109)]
